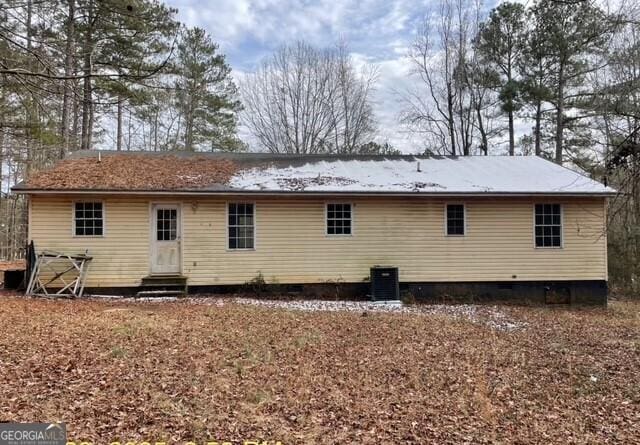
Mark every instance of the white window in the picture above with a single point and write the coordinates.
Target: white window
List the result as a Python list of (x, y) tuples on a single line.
[(241, 226), (455, 219), (166, 224), (339, 219), (88, 219), (548, 225)]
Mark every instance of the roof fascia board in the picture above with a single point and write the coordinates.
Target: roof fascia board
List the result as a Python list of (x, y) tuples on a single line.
[(303, 193)]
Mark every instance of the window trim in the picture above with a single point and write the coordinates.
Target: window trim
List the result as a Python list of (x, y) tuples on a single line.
[(255, 227), (326, 220), (446, 220), (73, 218), (154, 220), (533, 209)]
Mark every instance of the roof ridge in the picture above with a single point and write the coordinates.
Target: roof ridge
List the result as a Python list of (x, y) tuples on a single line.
[(257, 154)]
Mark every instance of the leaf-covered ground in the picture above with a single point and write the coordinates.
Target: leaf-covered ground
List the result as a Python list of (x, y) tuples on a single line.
[(175, 371)]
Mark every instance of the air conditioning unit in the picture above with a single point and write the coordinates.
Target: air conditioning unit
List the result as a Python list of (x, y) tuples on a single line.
[(384, 283)]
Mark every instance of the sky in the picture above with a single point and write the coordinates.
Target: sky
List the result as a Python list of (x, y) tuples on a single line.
[(376, 31)]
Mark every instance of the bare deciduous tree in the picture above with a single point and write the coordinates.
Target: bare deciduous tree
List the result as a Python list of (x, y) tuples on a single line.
[(308, 100), (441, 106)]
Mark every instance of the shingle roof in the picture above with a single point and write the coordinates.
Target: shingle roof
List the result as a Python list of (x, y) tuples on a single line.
[(132, 171), (269, 173)]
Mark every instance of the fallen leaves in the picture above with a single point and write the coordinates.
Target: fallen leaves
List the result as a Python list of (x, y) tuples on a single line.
[(134, 172), (175, 371)]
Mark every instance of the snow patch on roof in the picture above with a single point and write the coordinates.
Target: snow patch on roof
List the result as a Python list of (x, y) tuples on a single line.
[(473, 174)]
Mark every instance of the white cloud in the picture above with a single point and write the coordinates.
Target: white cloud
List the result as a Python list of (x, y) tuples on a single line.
[(377, 31), (269, 23), (394, 81)]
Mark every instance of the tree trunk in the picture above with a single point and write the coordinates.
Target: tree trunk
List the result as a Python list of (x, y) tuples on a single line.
[(129, 128), (188, 130), (537, 130), (1, 157), (91, 120), (464, 139), (68, 71), (87, 102), (29, 118), (2, 201), (560, 116), (450, 119), (484, 145), (119, 127), (155, 132), (187, 134), (512, 142), (75, 126), (86, 108)]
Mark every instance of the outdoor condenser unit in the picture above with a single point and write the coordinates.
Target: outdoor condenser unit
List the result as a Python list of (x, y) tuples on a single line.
[(384, 283)]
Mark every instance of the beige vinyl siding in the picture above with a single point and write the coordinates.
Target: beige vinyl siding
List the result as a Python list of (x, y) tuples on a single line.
[(121, 256), (292, 245)]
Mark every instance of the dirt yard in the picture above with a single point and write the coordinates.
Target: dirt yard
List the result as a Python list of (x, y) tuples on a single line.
[(184, 371)]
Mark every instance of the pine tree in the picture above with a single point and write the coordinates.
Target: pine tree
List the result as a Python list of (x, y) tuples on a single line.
[(535, 86), (574, 34), (126, 39), (136, 45), (206, 94), (499, 43)]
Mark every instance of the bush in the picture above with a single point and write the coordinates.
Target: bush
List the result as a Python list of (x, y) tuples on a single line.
[(257, 285)]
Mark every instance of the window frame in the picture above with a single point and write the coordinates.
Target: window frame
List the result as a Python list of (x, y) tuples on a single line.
[(326, 219), (73, 217), (228, 248), (154, 220), (533, 210), (446, 220)]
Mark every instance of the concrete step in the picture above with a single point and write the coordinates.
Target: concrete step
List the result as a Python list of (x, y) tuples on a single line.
[(156, 280), (163, 285)]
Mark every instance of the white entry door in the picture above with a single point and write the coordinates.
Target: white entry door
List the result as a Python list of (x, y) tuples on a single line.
[(165, 236)]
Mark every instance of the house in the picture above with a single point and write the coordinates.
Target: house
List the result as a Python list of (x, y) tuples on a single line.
[(485, 226)]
